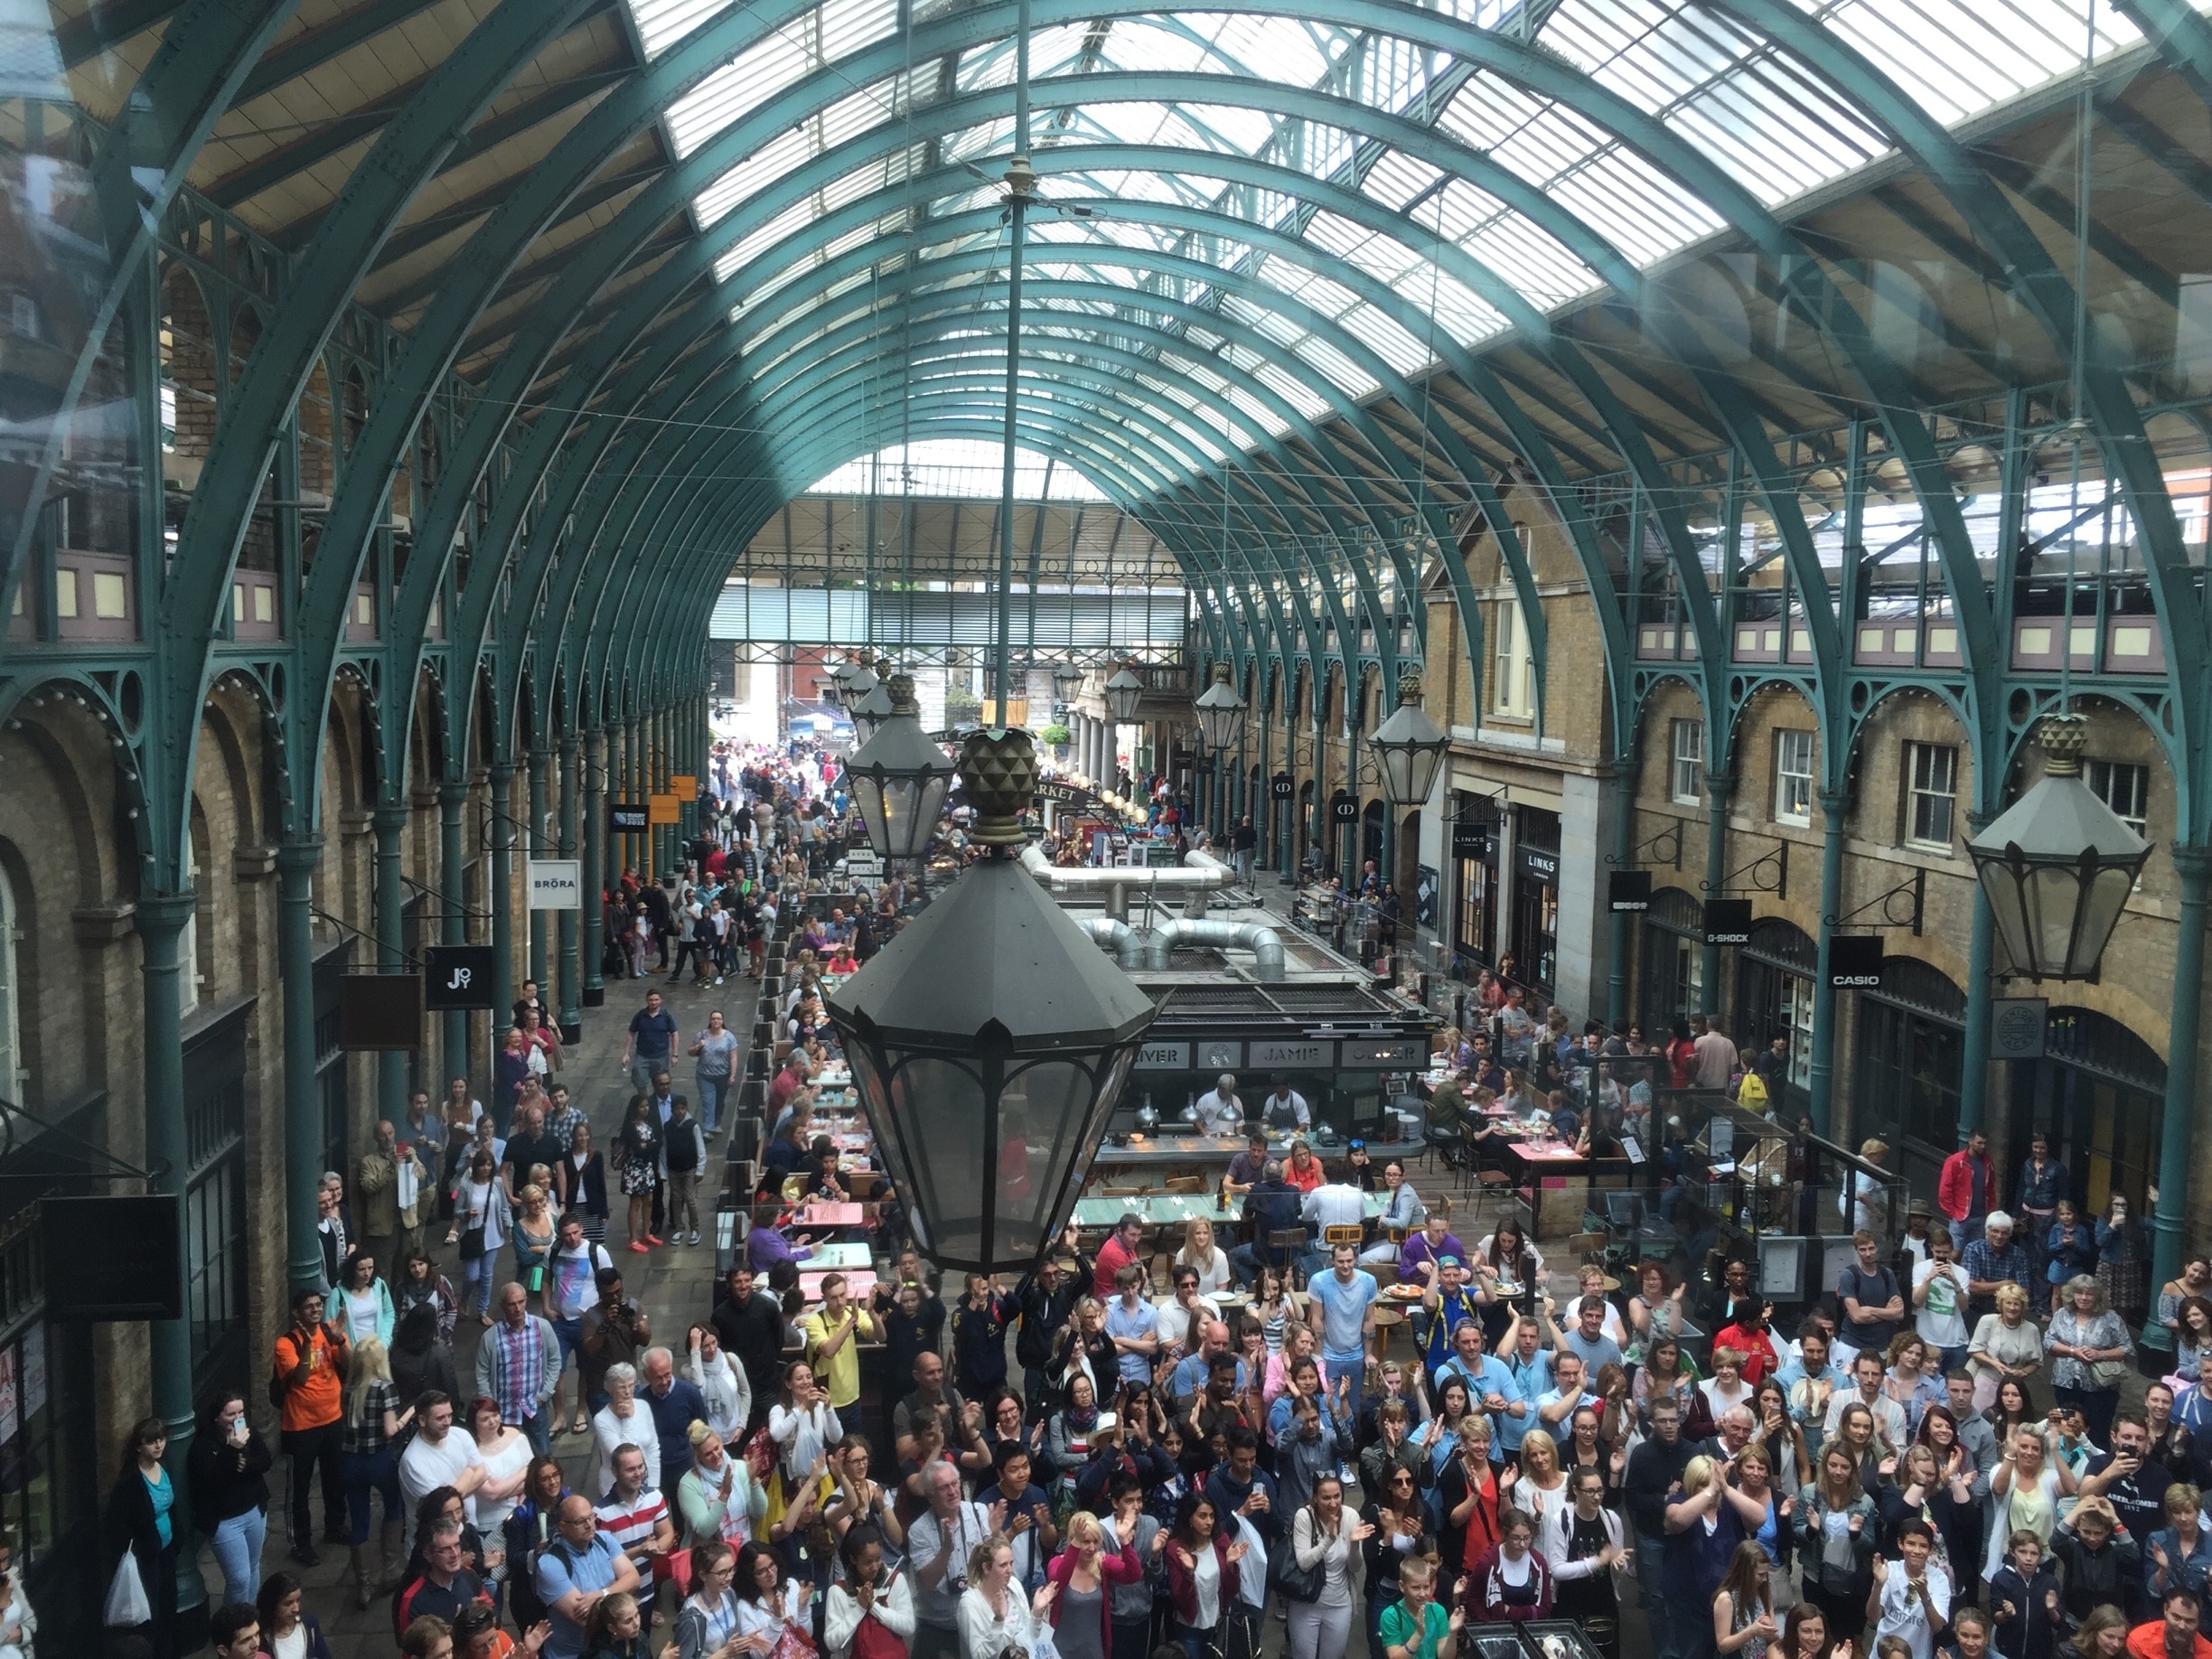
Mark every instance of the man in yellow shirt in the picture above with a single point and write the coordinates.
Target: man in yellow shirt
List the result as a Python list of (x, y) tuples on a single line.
[(833, 1332)]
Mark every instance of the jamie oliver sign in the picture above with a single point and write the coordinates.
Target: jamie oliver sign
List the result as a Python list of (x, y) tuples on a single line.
[(1296, 1054), (1164, 1057), (1382, 1054)]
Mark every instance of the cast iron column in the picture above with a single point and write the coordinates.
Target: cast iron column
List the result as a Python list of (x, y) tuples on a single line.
[(598, 864), (1623, 850), (1717, 787), (501, 904), (2194, 865), (453, 803), (570, 935), (1974, 1049), (391, 822), (1820, 1083), (540, 763), (161, 919), (296, 860)]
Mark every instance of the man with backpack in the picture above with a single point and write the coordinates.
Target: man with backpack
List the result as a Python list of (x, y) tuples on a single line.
[(571, 1290)]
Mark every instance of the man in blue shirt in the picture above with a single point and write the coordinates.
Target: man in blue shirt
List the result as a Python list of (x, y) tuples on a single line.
[(1134, 1327), (1490, 1384), (675, 1404), (1346, 1295), (1585, 1339), (1531, 1369), (1446, 1304), (575, 1573)]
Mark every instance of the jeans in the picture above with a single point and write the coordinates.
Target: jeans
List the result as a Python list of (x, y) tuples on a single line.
[(1244, 859), (1197, 1644), (374, 1472), (569, 1333), (541, 1437), (476, 1277), (237, 1543), (2096, 1406), (1964, 1233), (310, 1450), (710, 1093), (1651, 1581)]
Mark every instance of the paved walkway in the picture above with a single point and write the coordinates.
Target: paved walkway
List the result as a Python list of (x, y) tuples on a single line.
[(675, 1283)]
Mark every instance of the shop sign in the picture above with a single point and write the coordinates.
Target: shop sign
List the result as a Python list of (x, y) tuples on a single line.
[(458, 977), (1728, 922), (1343, 809), (1282, 785), (1164, 1057), (1854, 961), (627, 817), (2017, 1026), (1627, 891), (1471, 839), (1383, 1054), (1540, 864), (1296, 1055), (1218, 1055)]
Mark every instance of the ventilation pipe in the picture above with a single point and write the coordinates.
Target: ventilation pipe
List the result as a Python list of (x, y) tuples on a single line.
[(1128, 949), (1264, 943), (1198, 874)]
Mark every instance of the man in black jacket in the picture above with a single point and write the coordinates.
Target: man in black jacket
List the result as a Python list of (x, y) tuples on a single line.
[(750, 1327), (1654, 1468), (1047, 1299)]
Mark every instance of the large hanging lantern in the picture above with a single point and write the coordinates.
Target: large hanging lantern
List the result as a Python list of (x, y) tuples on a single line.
[(1408, 748), (1220, 711), (2058, 865), (1123, 693), (991, 1039), (1068, 679), (900, 779), (859, 681)]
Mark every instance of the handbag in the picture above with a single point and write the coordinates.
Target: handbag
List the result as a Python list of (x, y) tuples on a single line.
[(674, 1568), (794, 1644), (126, 1606), (473, 1243), (1298, 1583), (2107, 1372), (872, 1639)]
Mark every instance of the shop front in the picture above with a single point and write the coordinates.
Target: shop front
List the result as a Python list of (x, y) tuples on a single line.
[(1674, 966), (1474, 882), (1907, 1060), (1774, 997), (1535, 897), (2098, 1092)]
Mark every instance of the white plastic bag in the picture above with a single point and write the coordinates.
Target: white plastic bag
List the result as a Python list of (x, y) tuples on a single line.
[(127, 1606)]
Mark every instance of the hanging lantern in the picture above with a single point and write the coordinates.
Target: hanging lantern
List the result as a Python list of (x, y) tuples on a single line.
[(870, 711), (991, 1038), (1068, 679), (1408, 748), (2058, 865), (1124, 691), (1220, 711), (900, 779)]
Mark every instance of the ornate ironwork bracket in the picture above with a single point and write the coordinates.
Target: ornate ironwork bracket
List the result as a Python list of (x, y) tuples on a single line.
[(1671, 835), (1914, 889), (1768, 873)]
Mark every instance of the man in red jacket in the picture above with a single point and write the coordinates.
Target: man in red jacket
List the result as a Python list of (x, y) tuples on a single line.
[(2174, 1634), (1966, 1189)]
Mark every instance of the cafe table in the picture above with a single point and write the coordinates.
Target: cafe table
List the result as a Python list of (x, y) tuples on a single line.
[(1555, 1179), (822, 1214), (1173, 1209)]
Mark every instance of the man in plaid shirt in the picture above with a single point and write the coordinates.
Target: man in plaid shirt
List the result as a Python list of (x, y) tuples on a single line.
[(519, 1365)]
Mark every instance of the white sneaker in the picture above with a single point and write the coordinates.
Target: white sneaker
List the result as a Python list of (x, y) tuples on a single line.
[(694, 1239)]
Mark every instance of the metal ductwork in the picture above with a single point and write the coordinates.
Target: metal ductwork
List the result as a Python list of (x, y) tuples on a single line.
[(1127, 947), (1198, 874), (1265, 944)]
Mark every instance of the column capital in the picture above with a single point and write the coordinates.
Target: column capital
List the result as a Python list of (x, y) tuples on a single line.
[(452, 792), (158, 913), (2190, 862), (298, 855), (392, 815), (1834, 804), (501, 771)]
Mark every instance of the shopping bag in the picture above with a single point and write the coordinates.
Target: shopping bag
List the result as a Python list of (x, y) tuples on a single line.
[(127, 1606)]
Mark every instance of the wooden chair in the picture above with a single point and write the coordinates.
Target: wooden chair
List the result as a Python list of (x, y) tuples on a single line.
[(1184, 1183), (1350, 1233), (1284, 1246)]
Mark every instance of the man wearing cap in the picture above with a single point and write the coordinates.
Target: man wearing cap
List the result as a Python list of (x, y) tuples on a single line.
[(1447, 1304), (1220, 1112)]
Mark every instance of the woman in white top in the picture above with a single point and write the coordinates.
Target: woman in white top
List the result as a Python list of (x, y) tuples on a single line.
[(768, 1602), (1328, 1535), (708, 1621), (997, 1619), (1542, 1492), (1726, 1388), (506, 1454), (729, 1397), (866, 1592), (803, 1423), (1201, 1253), (624, 1422), (362, 1305)]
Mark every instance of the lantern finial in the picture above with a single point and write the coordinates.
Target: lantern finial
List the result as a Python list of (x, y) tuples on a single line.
[(2063, 737), (999, 775)]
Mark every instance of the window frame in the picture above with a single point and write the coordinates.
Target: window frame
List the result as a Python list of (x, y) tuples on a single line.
[(1512, 691), (2100, 776), (1916, 792), (1785, 776), (1676, 760)]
